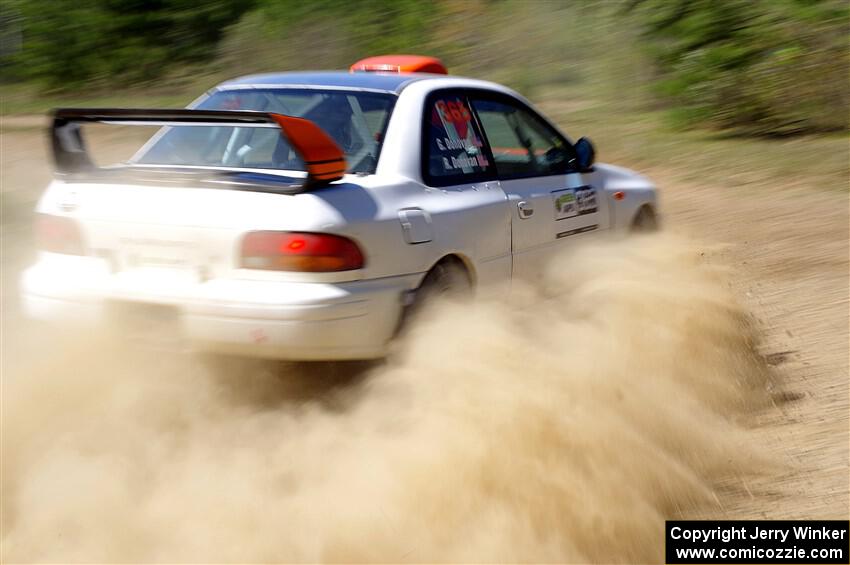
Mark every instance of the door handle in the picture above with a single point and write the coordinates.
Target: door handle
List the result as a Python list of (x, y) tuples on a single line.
[(526, 210)]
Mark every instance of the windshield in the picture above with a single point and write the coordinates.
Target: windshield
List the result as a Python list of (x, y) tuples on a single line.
[(355, 120)]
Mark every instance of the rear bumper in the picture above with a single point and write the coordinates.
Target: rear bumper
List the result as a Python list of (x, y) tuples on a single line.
[(259, 318)]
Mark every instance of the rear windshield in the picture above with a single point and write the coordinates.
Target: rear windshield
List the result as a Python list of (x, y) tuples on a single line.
[(355, 120)]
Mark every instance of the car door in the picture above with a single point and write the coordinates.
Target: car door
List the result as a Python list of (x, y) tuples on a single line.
[(552, 203), (468, 209)]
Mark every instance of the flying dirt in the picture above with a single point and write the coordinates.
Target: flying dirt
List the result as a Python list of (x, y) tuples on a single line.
[(563, 425)]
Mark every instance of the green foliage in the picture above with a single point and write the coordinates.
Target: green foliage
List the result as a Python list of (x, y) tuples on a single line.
[(757, 67), (743, 66), (285, 34), (66, 43), (521, 43)]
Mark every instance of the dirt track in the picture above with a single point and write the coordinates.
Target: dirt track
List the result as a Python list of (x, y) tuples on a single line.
[(788, 248), (788, 251)]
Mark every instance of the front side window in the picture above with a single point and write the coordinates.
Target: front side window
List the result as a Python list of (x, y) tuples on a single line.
[(522, 144), (355, 120), (453, 147)]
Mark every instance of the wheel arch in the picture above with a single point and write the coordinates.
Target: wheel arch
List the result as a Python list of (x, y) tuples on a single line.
[(461, 260), (644, 219), (413, 302)]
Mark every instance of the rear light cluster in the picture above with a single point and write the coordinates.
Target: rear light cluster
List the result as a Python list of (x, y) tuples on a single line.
[(59, 234), (297, 251)]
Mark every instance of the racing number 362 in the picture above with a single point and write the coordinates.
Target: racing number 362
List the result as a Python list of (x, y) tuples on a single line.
[(453, 111)]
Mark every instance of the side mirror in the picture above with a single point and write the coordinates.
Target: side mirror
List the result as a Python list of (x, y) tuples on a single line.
[(585, 154)]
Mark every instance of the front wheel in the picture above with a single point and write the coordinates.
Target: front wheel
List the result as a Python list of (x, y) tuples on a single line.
[(645, 221)]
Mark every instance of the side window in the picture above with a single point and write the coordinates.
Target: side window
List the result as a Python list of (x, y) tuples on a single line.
[(522, 144), (453, 148)]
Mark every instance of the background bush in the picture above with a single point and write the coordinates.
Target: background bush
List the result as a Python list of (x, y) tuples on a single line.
[(762, 67), (99, 43), (752, 66)]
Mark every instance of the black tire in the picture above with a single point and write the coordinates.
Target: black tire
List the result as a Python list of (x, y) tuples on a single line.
[(645, 221), (448, 279)]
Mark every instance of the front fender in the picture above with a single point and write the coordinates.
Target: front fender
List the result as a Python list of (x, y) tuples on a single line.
[(627, 191)]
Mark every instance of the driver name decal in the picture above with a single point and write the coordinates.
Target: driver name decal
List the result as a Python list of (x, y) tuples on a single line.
[(455, 141)]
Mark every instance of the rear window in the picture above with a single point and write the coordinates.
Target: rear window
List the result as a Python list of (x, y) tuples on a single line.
[(355, 120)]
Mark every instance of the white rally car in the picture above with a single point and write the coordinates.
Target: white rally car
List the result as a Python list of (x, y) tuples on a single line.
[(300, 215)]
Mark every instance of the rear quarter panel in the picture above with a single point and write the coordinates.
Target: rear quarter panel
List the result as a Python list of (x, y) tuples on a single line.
[(471, 222)]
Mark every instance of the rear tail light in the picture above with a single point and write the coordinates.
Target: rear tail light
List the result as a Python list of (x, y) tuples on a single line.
[(59, 234), (296, 251)]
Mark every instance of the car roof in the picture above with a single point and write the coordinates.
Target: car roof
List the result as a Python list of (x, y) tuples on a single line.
[(387, 82)]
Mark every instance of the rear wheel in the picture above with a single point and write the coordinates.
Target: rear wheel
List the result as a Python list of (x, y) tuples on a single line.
[(448, 279)]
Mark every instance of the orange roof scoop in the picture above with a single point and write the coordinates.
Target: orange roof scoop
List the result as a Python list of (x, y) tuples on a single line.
[(400, 64)]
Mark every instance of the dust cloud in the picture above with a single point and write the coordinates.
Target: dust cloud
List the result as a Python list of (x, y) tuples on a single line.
[(563, 425)]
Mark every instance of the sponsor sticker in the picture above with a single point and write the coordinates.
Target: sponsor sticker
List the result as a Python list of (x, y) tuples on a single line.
[(565, 204), (586, 200), (571, 202)]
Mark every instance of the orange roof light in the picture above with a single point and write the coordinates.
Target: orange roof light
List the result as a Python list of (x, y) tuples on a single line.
[(400, 64)]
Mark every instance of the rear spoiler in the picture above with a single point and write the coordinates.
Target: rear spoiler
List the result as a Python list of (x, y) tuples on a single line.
[(323, 158)]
